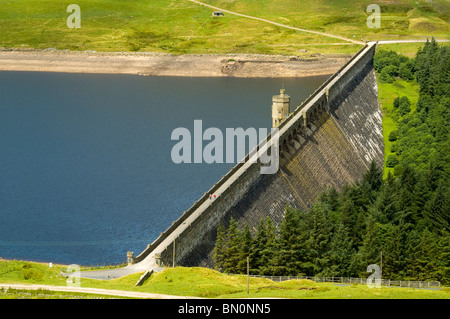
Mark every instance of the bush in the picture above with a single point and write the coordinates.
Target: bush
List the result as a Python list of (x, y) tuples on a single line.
[(394, 148), (386, 77), (396, 102), (380, 63), (393, 136), (392, 70), (383, 59), (32, 274), (391, 161), (405, 71), (405, 105), (425, 103)]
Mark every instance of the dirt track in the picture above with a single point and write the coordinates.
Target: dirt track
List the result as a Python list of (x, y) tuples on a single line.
[(110, 292)]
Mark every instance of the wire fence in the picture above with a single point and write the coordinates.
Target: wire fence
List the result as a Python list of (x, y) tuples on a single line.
[(362, 281)]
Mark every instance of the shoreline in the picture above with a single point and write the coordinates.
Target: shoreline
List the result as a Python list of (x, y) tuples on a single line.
[(32, 261), (109, 266), (163, 64)]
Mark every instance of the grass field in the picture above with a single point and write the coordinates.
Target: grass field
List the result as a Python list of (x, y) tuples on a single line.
[(198, 282), (180, 26)]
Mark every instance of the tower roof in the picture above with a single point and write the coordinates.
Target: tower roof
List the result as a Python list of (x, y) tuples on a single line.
[(282, 97)]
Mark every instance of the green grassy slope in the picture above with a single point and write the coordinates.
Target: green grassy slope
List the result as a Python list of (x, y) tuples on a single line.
[(387, 92), (157, 26), (180, 26)]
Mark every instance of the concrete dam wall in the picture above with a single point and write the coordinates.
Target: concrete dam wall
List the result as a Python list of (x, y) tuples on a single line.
[(329, 140)]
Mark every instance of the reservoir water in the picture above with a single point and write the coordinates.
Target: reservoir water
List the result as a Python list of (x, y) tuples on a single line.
[(85, 159)]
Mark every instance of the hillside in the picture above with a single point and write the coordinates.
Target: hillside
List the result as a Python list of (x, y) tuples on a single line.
[(180, 27)]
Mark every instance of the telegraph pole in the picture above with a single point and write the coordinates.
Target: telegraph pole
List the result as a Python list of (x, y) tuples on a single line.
[(173, 257), (381, 265), (248, 276)]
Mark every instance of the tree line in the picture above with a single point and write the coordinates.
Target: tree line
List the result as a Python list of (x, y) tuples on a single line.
[(405, 217)]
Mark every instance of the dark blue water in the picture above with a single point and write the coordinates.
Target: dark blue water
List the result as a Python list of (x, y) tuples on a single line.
[(85, 167)]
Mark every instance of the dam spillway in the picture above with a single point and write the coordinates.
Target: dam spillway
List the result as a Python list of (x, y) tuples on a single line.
[(329, 140)]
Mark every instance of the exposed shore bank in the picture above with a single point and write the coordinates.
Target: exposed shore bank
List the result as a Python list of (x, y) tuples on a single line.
[(160, 64)]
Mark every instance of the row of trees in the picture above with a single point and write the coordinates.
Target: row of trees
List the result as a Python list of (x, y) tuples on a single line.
[(406, 219), (406, 216), (422, 138)]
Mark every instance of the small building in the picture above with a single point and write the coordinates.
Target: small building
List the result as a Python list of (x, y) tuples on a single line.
[(217, 14)]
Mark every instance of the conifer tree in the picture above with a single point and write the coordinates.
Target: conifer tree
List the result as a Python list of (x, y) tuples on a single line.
[(219, 248), (232, 248), (246, 243), (268, 250), (348, 212), (393, 251), (369, 252), (340, 254), (426, 257), (259, 244), (320, 230), (443, 263), (290, 248), (437, 211)]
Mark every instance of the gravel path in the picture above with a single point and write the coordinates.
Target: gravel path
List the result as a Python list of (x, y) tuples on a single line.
[(109, 292)]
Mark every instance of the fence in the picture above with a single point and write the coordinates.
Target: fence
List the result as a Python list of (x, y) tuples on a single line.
[(362, 281)]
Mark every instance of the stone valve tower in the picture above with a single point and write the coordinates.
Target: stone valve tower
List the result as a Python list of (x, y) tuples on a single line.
[(280, 108)]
